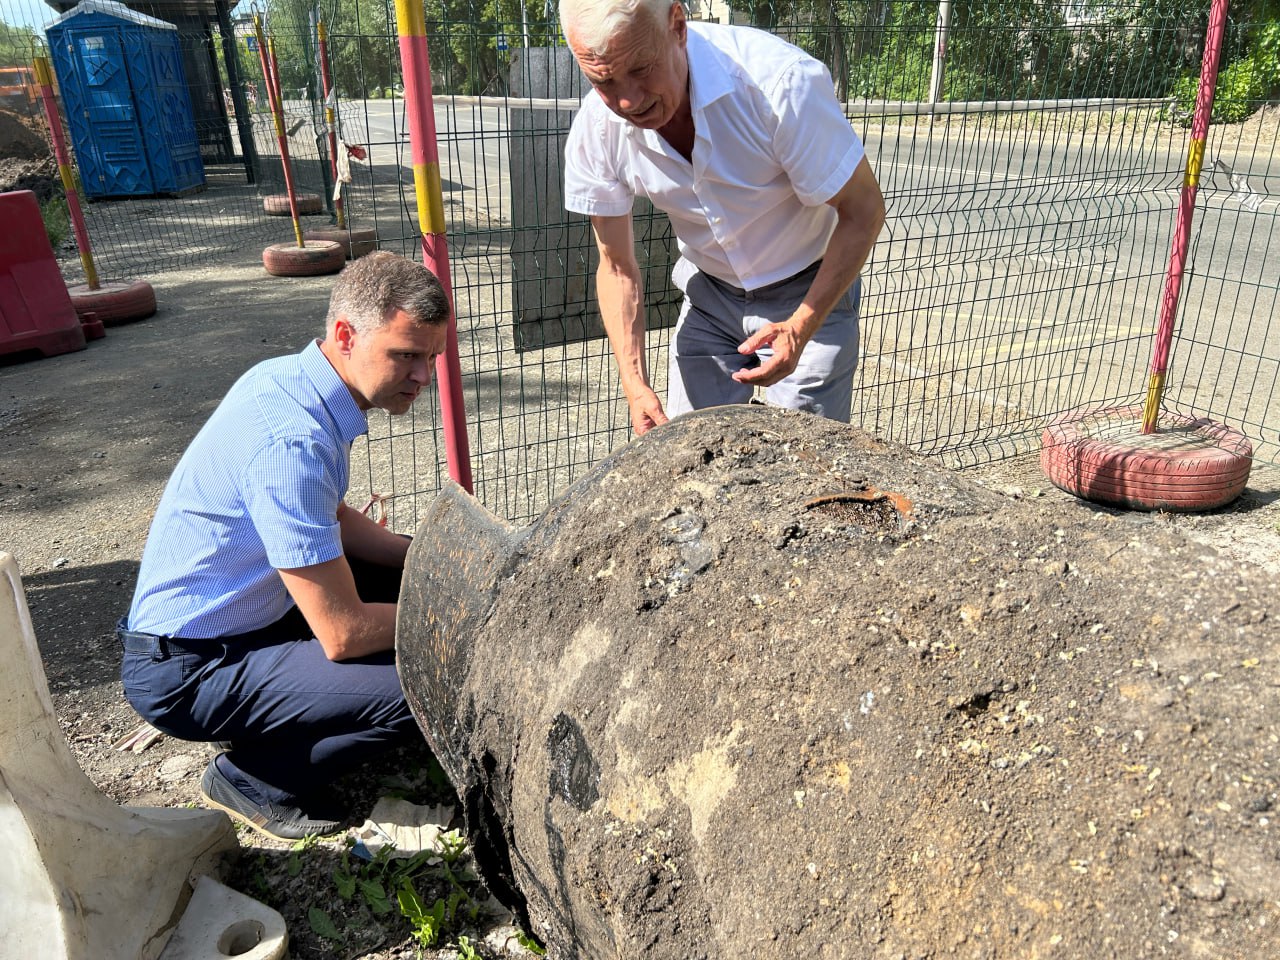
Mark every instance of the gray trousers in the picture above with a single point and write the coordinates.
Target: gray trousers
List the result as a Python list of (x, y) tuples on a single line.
[(717, 316)]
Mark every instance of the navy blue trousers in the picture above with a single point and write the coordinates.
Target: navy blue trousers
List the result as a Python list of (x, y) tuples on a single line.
[(297, 720)]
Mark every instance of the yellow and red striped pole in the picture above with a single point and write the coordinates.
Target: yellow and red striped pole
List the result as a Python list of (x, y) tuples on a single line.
[(1186, 210), (420, 111), (266, 55), (330, 119), (44, 79)]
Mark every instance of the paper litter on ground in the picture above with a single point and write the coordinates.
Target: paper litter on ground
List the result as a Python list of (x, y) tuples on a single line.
[(409, 827)]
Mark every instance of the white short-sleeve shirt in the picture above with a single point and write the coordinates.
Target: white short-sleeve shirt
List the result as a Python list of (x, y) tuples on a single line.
[(772, 146)]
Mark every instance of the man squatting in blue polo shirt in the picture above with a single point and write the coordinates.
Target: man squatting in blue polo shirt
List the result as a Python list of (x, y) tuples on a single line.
[(264, 614), (738, 137)]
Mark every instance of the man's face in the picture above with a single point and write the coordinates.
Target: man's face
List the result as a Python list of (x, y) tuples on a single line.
[(388, 367), (643, 75)]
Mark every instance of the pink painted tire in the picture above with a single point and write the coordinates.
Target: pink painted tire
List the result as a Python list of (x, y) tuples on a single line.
[(356, 241), (315, 259), (277, 204), (114, 302), (1189, 464)]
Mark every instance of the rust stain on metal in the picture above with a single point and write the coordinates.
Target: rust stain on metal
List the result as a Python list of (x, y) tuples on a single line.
[(871, 495)]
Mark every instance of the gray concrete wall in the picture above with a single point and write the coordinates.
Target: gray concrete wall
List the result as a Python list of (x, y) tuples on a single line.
[(553, 254)]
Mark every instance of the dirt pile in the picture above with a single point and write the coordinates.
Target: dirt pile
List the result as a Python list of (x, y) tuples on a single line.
[(762, 686), (20, 139), (26, 162)]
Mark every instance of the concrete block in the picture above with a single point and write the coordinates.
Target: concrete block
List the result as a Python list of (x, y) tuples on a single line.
[(81, 878)]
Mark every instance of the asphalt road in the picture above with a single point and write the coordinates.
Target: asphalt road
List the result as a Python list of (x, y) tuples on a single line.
[(1021, 270)]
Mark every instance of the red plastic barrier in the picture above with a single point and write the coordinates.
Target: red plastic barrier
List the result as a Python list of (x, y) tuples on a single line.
[(35, 309)]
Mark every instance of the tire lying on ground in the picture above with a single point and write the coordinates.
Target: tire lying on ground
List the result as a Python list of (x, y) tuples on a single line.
[(277, 204), (759, 685), (316, 258), (114, 302), (1187, 464), (356, 241)]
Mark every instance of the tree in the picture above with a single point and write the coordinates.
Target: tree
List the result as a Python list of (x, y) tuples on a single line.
[(363, 51), (16, 45)]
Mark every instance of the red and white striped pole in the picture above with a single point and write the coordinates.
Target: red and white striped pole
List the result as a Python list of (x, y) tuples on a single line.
[(1186, 210), (44, 79), (420, 110), (266, 55)]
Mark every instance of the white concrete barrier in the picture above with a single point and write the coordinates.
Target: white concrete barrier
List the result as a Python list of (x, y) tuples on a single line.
[(82, 878)]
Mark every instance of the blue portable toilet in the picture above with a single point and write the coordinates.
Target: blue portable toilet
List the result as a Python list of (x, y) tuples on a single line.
[(127, 105)]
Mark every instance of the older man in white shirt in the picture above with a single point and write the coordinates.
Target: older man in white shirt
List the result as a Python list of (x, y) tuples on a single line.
[(738, 137)]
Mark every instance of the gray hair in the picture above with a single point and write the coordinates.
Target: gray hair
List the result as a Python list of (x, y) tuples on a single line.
[(594, 23), (369, 290)]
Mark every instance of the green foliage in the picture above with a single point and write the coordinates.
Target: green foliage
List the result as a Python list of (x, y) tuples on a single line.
[(893, 62), (246, 62), (427, 924), (453, 847), (375, 895), (57, 220), (466, 951), (344, 881), (1020, 49), (996, 49), (296, 851), (1243, 83), (530, 944), (15, 45), (322, 924), (259, 879), (363, 52)]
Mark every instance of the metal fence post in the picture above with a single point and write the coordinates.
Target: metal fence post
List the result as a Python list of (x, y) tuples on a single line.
[(244, 122)]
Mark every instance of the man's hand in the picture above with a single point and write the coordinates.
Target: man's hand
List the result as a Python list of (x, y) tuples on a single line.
[(618, 288), (787, 346), (859, 208), (646, 410), (345, 625)]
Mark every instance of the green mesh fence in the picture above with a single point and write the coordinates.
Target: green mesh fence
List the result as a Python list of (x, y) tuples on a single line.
[(1030, 153)]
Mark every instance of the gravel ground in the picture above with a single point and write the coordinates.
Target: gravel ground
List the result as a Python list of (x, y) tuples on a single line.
[(90, 439)]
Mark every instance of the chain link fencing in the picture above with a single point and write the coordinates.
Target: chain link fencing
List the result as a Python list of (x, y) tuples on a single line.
[(1030, 154)]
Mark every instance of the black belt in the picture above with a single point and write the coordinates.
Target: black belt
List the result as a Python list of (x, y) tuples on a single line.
[(162, 648)]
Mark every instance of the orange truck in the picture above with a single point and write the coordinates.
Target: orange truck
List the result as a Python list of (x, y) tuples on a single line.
[(18, 92)]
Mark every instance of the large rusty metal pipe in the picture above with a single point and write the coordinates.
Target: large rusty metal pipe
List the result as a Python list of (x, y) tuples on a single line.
[(761, 686)]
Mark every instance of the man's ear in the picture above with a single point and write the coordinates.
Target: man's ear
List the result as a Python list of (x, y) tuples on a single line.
[(344, 334), (678, 23)]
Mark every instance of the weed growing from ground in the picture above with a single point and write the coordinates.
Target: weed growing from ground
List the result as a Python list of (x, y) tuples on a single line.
[(388, 883)]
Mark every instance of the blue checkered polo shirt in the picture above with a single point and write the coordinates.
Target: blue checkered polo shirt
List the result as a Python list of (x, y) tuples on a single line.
[(258, 490)]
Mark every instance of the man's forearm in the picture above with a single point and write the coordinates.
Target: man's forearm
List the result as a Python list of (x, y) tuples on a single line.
[(346, 626), (859, 207), (373, 632), (622, 312), (846, 254), (365, 540), (860, 216)]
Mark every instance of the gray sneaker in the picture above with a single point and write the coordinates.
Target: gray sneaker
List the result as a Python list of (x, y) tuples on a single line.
[(272, 820)]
